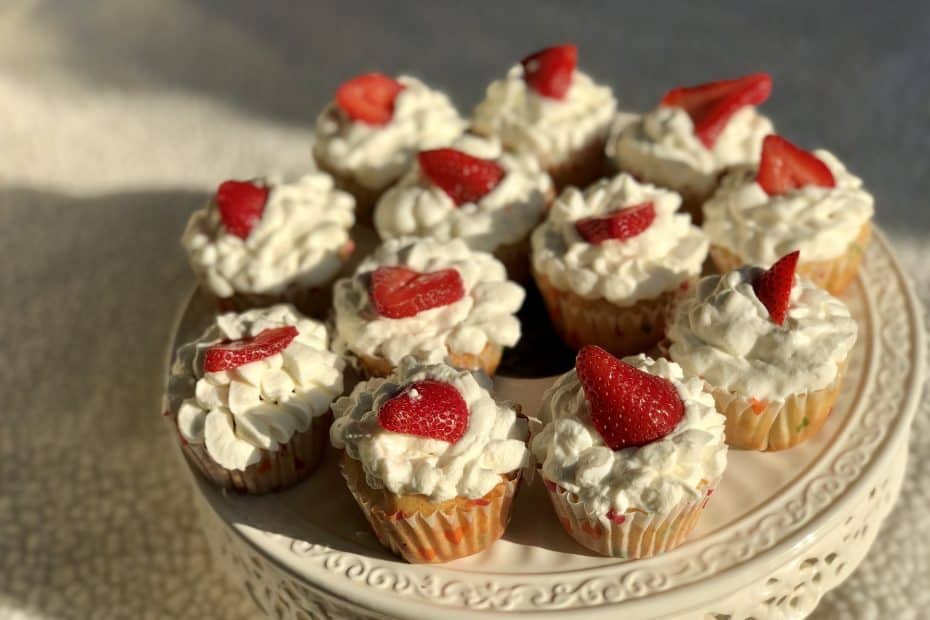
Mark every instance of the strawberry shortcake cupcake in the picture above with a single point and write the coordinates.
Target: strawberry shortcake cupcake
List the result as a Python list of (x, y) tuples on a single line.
[(547, 108), (432, 459), (630, 452), (794, 200)]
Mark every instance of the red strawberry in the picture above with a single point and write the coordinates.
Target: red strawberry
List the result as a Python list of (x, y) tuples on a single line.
[(773, 287), (621, 224), (711, 105), (241, 205), (463, 177), (400, 292), (549, 71), (427, 408), (785, 167), (369, 98), (227, 355), (628, 407)]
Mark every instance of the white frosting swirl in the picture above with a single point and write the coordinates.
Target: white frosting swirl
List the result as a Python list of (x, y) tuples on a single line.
[(486, 313), (416, 207), (821, 222), (653, 477), (552, 130), (298, 240), (661, 147), (725, 335), (376, 155), (258, 406), (494, 442), (659, 259)]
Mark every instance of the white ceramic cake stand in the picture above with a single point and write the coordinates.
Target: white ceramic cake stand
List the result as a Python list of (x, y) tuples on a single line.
[(782, 529)]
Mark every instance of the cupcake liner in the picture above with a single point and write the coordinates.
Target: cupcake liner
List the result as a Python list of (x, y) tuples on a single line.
[(487, 361), (312, 302), (366, 198), (516, 259), (582, 167)]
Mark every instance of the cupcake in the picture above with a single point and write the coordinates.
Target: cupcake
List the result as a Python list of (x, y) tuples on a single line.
[(472, 191), (433, 300), (771, 348), (368, 136), (548, 109), (262, 242), (794, 200), (611, 261), (250, 399), (630, 452), (694, 136), (432, 460)]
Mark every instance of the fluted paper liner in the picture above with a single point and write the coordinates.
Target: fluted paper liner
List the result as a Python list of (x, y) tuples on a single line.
[(487, 361)]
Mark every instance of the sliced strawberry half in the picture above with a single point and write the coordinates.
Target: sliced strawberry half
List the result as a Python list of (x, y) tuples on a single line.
[(621, 224), (228, 355), (711, 105), (549, 71), (629, 407), (773, 287), (369, 98), (463, 177), (429, 408), (400, 292), (785, 167), (241, 204)]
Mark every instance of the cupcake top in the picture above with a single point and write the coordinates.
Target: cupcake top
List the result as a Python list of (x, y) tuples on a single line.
[(425, 297), (263, 236), (546, 107), (430, 430), (602, 242), (435, 198), (375, 146), (654, 475), (252, 381)]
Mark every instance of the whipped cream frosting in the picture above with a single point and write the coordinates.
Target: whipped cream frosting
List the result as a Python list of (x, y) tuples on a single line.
[(258, 406), (493, 444), (298, 240), (552, 130), (821, 222), (623, 272), (376, 155), (654, 477), (724, 335), (661, 147), (416, 207), (485, 314)]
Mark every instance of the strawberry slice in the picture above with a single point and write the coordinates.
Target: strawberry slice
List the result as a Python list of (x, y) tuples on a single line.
[(369, 98), (241, 204), (785, 167), (629, 407), (228, 355), (463, 177), (428, 408), (400, 292), (773, 287), (549, 71), (711, 105), (620, 224)]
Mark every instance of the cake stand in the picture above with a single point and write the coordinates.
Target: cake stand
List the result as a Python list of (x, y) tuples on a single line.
[(782, 529)]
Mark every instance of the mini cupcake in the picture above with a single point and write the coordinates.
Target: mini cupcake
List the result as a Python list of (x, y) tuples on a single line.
[(546, 108), (612, 260), (368, 136), (630, 452), (771, 347), (250, 399), (263, 242), (432, 460), (430, 299), (694, 136), (471, 191), (795, 200)]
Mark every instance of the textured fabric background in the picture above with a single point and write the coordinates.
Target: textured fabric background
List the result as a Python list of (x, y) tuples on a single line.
[(115, 119)]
